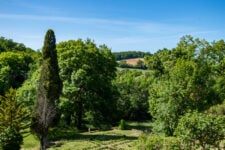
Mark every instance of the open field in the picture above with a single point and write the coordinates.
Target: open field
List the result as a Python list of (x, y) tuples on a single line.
[(133, 61), (95, 140)]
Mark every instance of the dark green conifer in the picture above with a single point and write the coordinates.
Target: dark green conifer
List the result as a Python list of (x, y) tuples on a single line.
[(49, 90)]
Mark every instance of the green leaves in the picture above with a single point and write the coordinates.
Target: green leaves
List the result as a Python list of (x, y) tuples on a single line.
[(14, 121), (11, 139), (205, 129), (49, 90), (133, 86), (14, 67), (12, 113), (87, 71)]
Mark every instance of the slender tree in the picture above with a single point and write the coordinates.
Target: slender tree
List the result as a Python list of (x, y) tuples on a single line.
[(49, 90)]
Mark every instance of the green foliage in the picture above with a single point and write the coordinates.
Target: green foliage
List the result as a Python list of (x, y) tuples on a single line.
[(154, 63), (7, 45), (87, 72), (49, 78), (217, 109), (13, 114), (201, 130), (10, 139), (122, 125), (187, 78), (14, 120), (14, 67), (140, 64), (154, 142), (184, 80), (165, 108), (133, 88), (15, 63), (28, 91), (49, 90)]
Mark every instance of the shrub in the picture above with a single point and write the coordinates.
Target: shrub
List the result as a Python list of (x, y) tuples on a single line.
[(122, 125), (150, 142), (201, 130), (14, 118), (156, 142), (10, 139), (217, 109)]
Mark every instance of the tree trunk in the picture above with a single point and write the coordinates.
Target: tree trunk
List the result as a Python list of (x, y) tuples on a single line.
[(68, 120), (43, 143), (79, 114)]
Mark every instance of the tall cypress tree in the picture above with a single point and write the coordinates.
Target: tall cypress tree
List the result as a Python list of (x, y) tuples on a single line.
[(49, 90)]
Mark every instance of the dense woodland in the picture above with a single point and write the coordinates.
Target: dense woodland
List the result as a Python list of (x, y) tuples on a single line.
[(78, 84)]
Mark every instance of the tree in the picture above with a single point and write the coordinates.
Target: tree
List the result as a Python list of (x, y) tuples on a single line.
[(198, 129), (154, 63), (140, 64), (133, 86), (8, 45), (14, 68), (87, 72), (49, 90), (188, 84), (28, 91), (14, 120)]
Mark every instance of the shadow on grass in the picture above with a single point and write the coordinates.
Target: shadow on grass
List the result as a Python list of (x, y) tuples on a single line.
[(139, 127), (74, 135), (142, 126)]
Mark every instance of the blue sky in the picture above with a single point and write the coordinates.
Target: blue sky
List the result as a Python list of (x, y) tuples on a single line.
[(146, 25)]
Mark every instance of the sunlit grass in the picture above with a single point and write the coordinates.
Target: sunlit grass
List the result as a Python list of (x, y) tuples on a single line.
[(71, 139), (30, 142)]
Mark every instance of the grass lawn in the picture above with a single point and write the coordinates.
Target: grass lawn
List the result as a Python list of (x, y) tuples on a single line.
[(30, 143), (95, 140)]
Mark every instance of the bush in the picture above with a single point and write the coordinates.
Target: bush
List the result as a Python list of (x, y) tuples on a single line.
[(156, 142), (149, 142), (10, 139), (122, 125), (217, 109), (201, 130)]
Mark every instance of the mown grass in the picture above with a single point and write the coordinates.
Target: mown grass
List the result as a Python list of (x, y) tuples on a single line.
[(71, 139), (30, 143)]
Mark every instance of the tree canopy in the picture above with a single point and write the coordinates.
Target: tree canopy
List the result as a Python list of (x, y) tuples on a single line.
[(87, 72)]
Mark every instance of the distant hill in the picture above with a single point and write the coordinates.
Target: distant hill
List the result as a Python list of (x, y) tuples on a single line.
[(137, 63), (130, 54), (133, 61)]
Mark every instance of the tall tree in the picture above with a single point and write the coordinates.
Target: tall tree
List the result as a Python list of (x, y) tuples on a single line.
[(87, 72), (49, 90)]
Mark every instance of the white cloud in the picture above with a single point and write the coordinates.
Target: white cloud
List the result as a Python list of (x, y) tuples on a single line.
[(117, 34)]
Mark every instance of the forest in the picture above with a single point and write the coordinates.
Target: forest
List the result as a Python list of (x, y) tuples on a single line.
[(78, 87)]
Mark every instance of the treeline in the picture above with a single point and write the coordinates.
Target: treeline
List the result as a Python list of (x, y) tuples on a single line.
[(10, 45), (181, 91), (130, 54)]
